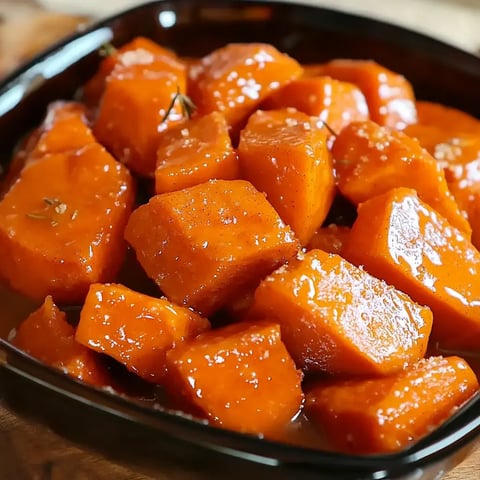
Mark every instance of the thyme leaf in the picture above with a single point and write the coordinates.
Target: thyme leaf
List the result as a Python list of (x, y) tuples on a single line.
[(53, 208), (186, 105)]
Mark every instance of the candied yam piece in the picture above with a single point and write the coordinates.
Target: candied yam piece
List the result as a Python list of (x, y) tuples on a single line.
[(334, 102), (447, 118), (46, 335), (240, 377), (383, 415), (204, 244), (139, 51), (193, 152), (456, 151), (402, 240), (131, 116), (284, 154), (65, 128), (329, 239), (389, 95), (337, 318), (370, 160), (67, 232), (235, 79), (135, 329)]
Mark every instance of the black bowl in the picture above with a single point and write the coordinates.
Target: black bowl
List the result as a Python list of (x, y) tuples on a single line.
[(156, 438)]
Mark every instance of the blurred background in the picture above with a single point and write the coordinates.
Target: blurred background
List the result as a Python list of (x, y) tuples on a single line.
[(28, 26)]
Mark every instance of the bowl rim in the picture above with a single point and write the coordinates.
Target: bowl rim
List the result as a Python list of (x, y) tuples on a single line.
[(458, 431)]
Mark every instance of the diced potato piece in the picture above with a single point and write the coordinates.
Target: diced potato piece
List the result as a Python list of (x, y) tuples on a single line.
[(334, 102), (330, 239), (383, 415), (135, 329), (240, 377), (370, 160), (193, 152), (401, 239), (284, 154), (203, 244), (46, 335), (133, 109), (140, 51), (63, 221), (339, 319), (234, 79), (390, 97)]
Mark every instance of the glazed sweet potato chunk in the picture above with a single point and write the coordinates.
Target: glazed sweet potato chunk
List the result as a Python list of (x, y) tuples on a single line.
[(389, 95), (193, 152), (140, 51), (284, 154), (329, 239), (240, 377), (46, 335), (64, 128), (234, 79), (203, 244), (332, 101), (62, 222), (370, 160), (401, 239), (339, 319), (383, 415), (456, 148), (133, 112), (135, 329), (446, 118)]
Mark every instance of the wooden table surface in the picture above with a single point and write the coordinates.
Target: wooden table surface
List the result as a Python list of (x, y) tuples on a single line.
[(32, 450)]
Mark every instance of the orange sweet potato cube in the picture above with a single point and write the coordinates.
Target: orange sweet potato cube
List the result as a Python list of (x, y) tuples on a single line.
[(448, 118), (203, 244), (337, 318), (370, 160), (389, 95), (46, 335), (135, 329), (133, 112), (284, 154), (383, 415), (62, 222), (401, 239), (139, 51), (193, 152), (332, 101), (64, 128), (240, 377), (234, 79)]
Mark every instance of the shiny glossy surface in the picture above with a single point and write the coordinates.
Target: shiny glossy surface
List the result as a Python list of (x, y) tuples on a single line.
[(338, 319), (412, 247)]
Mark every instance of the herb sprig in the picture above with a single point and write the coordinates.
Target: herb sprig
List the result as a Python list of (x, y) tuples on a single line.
[(186, 105), (53, 208)]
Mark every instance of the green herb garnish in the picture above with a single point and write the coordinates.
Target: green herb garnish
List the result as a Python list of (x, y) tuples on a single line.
[(186, 104)]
